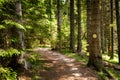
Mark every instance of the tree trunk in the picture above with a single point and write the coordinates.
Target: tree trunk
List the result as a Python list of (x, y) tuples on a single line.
[(72, 30), (88, 21), (59, 23), (79, 45), (112, 41), (107, 18), (19, 20), (118, 26), (95, 57), (21, 42), (102, 25)]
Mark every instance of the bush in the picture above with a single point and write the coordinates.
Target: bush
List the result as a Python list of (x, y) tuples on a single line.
[(7, 74)]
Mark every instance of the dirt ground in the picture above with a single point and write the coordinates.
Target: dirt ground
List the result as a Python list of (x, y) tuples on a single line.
[(61, 68)]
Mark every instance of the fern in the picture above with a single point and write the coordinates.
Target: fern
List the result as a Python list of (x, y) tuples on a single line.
[(9, 52), (7, 74), (13, 23), (2, 27)]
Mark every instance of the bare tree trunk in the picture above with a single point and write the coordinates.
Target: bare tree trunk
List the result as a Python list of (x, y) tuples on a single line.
[(118, 26), (102, 26), (59, 23), (19, 20), (112, 41), (79, 45), (88, 21), (72, 30), (21, 42), (95, 57)]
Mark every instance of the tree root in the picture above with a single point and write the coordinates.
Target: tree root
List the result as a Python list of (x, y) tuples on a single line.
[(108, 74)]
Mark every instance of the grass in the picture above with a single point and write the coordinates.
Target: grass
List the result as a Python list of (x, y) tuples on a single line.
[(38, 64), (107, 58), (75, 55)]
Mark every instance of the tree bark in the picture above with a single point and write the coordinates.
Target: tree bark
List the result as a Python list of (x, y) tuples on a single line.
[(103, 25), (79, 45), (118, 26), (59, 23), (88, 21), (21, 40), (19, 20), (95, 57), (72, 30), (112, 41)]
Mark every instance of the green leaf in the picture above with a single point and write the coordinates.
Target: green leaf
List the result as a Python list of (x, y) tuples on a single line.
[(7, 74), (2, 27), (9, 52), (12, 23)]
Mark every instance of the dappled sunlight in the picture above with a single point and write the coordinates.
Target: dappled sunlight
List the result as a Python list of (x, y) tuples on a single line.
[(77, 74), (70, 64), (74, 68), (64, 68)]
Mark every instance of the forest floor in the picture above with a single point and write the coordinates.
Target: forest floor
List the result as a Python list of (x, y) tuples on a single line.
[(58, 67)]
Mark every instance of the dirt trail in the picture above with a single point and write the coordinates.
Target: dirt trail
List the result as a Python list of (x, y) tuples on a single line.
[(64, 68)]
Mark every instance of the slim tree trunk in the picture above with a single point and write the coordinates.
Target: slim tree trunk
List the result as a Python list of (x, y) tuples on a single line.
[(102, 25), (21, 42), (95, 57), (59, 23), (108, 26), (118, 26), (72, 30), (88, 21), (19, 20), (79, 45), (112, 41)]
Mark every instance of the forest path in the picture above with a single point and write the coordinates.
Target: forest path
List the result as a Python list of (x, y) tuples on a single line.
[(63, 68)]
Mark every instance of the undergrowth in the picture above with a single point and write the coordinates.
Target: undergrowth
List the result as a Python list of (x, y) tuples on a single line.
[(37, 63)]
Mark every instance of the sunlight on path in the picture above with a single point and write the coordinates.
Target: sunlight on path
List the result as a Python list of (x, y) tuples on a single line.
[(65, 68)]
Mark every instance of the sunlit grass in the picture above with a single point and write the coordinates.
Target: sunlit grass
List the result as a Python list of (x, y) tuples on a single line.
[(107, 58), (75, 55)]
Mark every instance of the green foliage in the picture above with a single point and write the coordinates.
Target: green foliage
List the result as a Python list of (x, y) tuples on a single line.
[(13, 23), (75, 56), (33, 57), (2, 26), (7, 74), (1, 2), (107, 58), (9, 52)]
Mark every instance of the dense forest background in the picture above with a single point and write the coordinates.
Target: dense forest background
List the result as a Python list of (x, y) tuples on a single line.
[(85, 27)]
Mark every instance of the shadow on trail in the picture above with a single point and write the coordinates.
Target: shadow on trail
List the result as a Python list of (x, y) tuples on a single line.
[(63, 68)]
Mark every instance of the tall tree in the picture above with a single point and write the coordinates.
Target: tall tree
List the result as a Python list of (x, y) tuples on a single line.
[(19, 20), (72, 30), (95, 57), (106, 19), (79, 45), (21, 41), (111, 21), (118, 26), (88, 2), (59, 23), (103, 25)]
